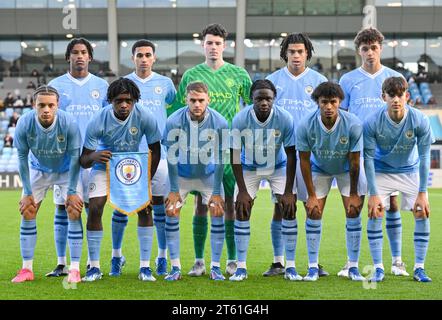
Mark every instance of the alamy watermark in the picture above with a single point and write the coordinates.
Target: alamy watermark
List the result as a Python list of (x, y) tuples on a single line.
[(209, 146), (70, 19)]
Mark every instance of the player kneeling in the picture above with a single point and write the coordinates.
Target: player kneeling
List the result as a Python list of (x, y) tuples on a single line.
[(195, 132)]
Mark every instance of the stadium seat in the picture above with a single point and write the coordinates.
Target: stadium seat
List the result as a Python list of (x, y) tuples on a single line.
[(12, 167), (2, 168), (7, 151), (25, 110), (436, 126), (4, 125), (9, 112)]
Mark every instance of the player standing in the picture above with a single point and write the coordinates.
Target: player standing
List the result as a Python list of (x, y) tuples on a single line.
[(294, 84), (363, 89), (82, 95), (157, 92), (227, 85)]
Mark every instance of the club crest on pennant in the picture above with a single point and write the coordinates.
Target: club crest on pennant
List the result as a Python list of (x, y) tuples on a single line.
[(128, 171)]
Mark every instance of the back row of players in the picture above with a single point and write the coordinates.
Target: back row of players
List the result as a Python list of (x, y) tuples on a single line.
[(321, 143)]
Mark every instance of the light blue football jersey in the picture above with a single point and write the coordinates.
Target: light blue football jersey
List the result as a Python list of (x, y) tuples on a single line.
[(330, 148), (363, 91), (81, 98), (106, 132), (294, 93), (394, 146), (52, 147), (262, 143), (157, 92), (195, 150)]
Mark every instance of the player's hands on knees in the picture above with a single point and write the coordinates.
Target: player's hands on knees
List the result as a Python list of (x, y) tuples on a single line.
[(28, 207), (101, 156), (74, 206), (243, 204), (354, 205), (287, 203), (375, 207), (421, 208), (173, 204), (313, 208), (216, 206)]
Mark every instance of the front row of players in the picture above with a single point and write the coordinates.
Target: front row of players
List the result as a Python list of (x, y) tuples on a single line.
[(396, 150)]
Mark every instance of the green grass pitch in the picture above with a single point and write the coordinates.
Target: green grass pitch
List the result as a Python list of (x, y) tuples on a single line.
[(332, 256)]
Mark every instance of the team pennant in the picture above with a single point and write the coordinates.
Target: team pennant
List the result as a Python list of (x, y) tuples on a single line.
[(129, 181)]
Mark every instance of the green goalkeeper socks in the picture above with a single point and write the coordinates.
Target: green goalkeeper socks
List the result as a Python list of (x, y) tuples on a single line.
[(199, 235)]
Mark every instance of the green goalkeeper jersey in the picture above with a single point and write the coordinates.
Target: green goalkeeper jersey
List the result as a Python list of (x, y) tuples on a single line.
[(226, 86)]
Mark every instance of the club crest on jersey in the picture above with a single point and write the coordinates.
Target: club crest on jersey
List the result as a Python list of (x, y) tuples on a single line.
[(133, 131), (128, 171), (95, 94), (343, 140), (92, 187), (276, 133), (409, 134), (158, 90), (230, 82), (60, 138), (308, 89)]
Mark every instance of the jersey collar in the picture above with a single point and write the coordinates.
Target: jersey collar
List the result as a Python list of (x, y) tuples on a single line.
[(195, 123), (79, 82), (393, 123), (122, 122), (307, 69), (48, 129), (265, 123), (374, 75), (332, 128), (143, 80)]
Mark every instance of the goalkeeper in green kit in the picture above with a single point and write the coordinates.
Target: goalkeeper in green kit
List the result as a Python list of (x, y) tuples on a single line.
[(227, 84)]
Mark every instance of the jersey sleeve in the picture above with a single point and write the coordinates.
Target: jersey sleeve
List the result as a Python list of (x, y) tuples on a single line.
[(92, 137), (171, 92), (22, 146), (180, 97), (151, 130), (369, 152), (424, 134), (74, 138), (170, 134), (356, 137), (235, 134), (344, 85), (20, 141), (302, 138), (290, 134), (103, 94), (245, 87), (424, 140)]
